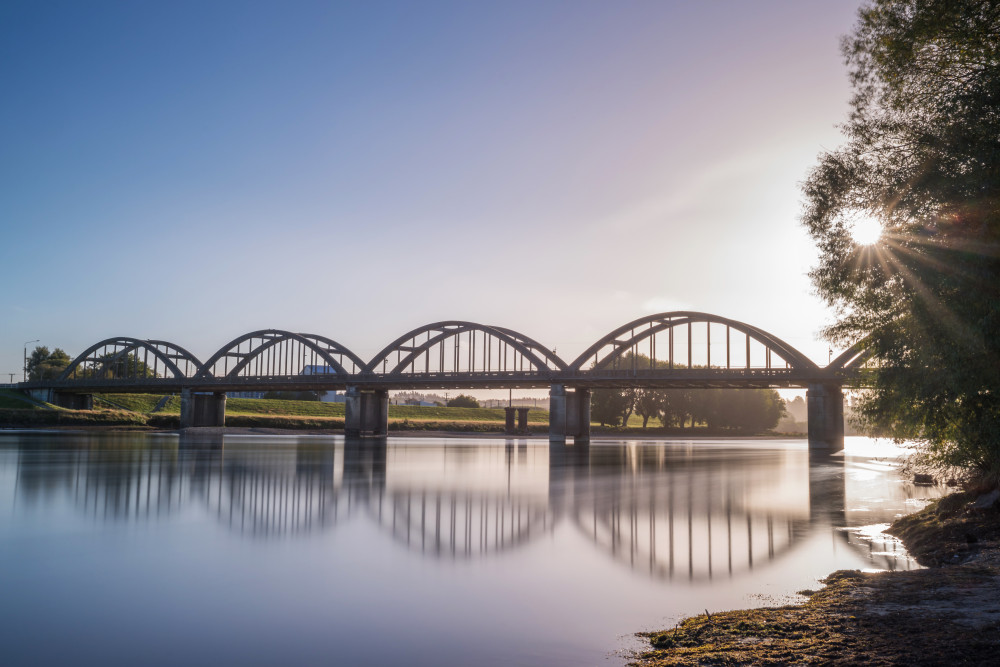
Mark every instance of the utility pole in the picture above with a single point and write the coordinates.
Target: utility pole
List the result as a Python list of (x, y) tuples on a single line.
[(26, 344)]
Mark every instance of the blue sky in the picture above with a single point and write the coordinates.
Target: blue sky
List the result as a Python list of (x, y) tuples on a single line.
[(194, 171)]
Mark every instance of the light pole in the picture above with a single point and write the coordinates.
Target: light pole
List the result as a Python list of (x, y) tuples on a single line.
[(26, 344)]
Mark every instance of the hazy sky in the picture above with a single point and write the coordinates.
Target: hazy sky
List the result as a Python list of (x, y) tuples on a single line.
[(191, 171)]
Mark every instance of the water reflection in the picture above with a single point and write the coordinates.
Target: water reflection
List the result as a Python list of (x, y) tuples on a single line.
[(694, 512)]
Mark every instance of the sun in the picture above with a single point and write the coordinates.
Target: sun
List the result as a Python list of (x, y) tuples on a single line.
[(865, 230)]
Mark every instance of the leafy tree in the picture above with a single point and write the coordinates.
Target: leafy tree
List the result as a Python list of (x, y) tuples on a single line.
[(923, 157), (607, 406), (45, 365), (122, 366), (648, 403), (463, 401)]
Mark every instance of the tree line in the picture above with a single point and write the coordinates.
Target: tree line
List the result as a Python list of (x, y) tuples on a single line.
[(742, 410), (49, 365)]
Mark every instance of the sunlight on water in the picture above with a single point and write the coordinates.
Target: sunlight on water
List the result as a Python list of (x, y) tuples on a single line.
[(264, 550)]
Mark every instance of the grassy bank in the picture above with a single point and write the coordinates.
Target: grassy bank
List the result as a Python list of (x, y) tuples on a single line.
[(147, 403), (12, 400), (163, 411), (943, 615), (35, 418)]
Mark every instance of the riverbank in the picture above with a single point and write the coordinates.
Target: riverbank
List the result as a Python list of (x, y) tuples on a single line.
[(453, 421), (947, 614)]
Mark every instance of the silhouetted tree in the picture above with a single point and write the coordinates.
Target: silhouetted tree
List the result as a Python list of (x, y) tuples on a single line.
[(463, 401), (922, 157), (607, 406)]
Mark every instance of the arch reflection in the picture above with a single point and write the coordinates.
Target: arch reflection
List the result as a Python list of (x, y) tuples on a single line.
[(686, 512)]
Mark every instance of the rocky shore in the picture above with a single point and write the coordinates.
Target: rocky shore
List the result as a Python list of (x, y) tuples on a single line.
[(948, 614)]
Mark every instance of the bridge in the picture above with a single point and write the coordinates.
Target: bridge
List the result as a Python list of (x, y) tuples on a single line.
[(668, 350)]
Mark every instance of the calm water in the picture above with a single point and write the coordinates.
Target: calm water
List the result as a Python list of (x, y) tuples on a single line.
[(125, 549)]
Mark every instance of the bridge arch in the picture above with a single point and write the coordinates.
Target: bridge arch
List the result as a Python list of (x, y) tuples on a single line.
[(456, 347), (677, 329), (277, 353), (459, 525), (853, 358), (120, 358)]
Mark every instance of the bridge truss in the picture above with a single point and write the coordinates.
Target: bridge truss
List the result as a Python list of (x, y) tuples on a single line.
[(676, 349)]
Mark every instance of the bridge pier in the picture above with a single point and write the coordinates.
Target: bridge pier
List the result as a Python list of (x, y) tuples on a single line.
[(569, 414), (825, 404), (202, 409), (520, 415), (366, 412)]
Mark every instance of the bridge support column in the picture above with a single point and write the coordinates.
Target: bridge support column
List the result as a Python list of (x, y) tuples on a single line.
[(569, 414), (825, 403), (366, 412), (202, 409), (518, 427)]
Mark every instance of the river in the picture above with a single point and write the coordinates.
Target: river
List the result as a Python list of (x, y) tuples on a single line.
[(157, 549)]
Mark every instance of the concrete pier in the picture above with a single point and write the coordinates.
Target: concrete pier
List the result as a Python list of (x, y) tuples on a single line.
[(515, 421), (569, 413), (825, 405), (366, 412), (202, 409)]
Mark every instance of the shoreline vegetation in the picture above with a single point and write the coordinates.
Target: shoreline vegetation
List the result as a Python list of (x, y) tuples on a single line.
[(157, 412), (946, 614)]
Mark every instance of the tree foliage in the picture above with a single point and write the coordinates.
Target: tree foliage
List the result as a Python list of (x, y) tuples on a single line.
[(922, 155), (122, 366), (463, 401), (742, 410), (738, 410), (45, 365)]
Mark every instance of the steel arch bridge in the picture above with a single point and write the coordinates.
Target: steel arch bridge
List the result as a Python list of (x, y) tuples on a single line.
[(675, 349)]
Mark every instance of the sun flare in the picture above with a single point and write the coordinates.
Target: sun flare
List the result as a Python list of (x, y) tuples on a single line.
[(865, 230)]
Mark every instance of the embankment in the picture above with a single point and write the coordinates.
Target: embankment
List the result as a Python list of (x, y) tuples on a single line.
[(945, 615)]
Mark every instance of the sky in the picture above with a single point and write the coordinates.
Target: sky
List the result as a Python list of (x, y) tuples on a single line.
[(192, 171)]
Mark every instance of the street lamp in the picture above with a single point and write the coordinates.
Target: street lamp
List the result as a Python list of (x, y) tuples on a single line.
[(26, 344)]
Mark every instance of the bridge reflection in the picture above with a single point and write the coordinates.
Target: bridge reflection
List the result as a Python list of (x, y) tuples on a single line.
[(666, 511)]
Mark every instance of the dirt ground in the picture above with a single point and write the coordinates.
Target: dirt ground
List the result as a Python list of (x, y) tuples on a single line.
[(948, 614)]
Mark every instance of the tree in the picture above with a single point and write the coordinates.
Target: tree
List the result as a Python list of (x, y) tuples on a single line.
[(45, 365), (463, 401), (607, 406), (120, 365), (922, 156), (648, 403)]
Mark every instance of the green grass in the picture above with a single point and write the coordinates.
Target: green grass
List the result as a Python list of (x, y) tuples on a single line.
[(145, 403), (37, 417), (265, 406), (10, 400), (415, 412)]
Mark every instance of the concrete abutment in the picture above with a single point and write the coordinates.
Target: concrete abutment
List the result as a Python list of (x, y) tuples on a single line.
[(202, 409)]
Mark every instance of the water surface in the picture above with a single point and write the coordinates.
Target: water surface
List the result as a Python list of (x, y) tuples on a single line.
[(130, 548)]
